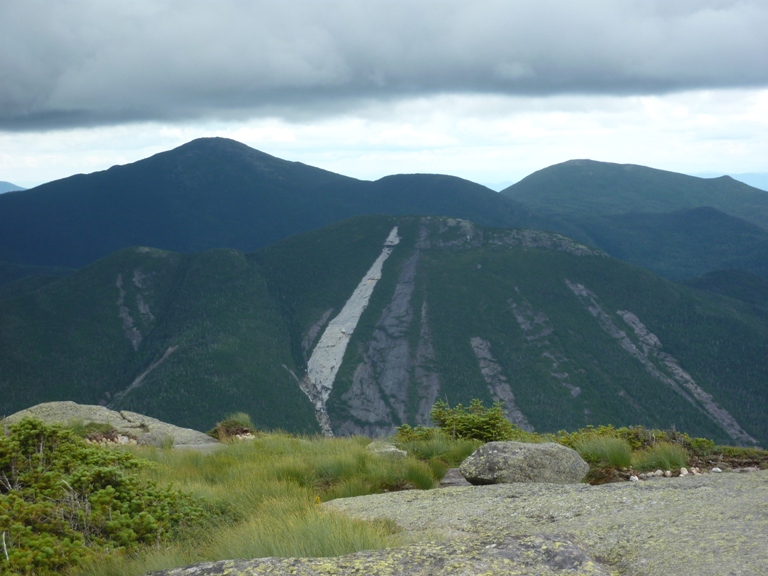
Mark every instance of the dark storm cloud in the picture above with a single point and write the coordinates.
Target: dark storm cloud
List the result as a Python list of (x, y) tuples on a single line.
[(88, 62)]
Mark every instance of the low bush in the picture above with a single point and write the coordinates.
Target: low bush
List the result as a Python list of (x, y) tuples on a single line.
[(476, 422), (63, 501)]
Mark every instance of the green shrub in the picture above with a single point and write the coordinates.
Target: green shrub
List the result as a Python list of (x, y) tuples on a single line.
[(663, 456), (406, 433), (62, 501), (475, 422), (637, 437), (701, 446), (605, 451), (741, 453)]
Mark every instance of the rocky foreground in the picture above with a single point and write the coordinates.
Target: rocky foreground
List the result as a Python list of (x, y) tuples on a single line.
[(713, 524)]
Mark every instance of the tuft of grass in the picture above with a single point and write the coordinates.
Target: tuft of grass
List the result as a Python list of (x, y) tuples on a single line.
[(664, 456), (236, 424), (241, 418), (605, 451)]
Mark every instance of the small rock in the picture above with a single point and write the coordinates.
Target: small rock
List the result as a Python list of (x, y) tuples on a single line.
[(642, 477), (715, 469), (453, 478), (668, 473), (683, 472), (633, 478)]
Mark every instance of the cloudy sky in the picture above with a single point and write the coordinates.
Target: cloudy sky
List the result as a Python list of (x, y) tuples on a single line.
[(489, 90)]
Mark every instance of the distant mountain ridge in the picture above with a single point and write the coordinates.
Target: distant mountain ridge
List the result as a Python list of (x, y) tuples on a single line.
[(8, 187), (215, 192), (588, 187), (675, 225)]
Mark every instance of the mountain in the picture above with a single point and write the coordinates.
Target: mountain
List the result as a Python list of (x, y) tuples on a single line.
[(8, 187), (18, 279), (362, 325), (214, 193), (680, 245), (589, 188), (754, 179), (675, 225), (735, 284), (193, 337)]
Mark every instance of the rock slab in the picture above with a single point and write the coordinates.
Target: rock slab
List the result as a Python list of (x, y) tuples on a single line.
[(708, 525), (511, 462), (148, 431)]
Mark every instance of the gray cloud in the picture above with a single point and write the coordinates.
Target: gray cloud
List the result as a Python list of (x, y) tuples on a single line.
[(91, 62)]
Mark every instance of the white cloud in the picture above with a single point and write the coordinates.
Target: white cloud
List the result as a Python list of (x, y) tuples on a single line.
[(485, 138)]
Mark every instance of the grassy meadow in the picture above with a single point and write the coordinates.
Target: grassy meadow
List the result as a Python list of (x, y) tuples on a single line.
[(266, 497)]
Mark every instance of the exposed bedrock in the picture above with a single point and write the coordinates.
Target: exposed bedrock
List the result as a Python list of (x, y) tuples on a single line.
[(377, 400), (143, 316), (425, 371), (498, 385), (327, 356), (537, 328), (454, 233), (139, 380), (662, 366), (132, 333)]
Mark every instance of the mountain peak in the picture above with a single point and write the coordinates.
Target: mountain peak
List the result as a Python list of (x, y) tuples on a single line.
[(218, 146), (588, 188)]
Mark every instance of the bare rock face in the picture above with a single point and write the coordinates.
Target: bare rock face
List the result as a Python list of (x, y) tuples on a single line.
[(509, 462), (146, 430)]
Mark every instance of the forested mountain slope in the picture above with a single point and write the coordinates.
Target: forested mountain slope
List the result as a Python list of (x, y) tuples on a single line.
[(362, 325)]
